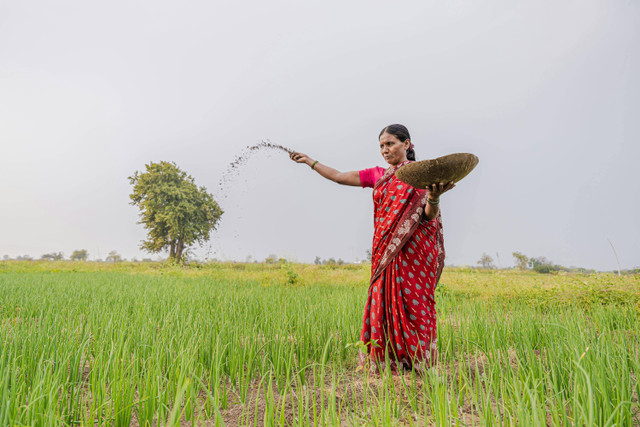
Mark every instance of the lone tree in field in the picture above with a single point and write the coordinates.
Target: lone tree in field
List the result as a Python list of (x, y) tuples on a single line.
[(175, 212), (521, 259), (79, 255), (113, 257), (486, 261), (53, 256)]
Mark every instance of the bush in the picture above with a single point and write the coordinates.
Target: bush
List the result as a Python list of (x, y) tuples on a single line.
[(542, 268)]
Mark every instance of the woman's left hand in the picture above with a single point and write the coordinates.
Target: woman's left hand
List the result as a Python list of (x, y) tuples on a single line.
[(436, 190)]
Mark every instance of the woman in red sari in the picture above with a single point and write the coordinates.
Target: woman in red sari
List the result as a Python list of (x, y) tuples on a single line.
[(407, 257)]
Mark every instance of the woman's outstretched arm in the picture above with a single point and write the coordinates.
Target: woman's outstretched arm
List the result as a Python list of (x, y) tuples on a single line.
[(344, 178)]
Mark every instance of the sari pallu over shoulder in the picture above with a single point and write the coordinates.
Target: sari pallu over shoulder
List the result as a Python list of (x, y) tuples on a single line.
[(402, 224)]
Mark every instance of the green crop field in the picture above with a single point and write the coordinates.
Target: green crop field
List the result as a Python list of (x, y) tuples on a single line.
[(253, 344)]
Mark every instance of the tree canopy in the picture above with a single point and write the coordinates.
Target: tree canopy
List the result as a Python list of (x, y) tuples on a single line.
[(486, 261), (113, 257), (79, 255), (175, 212), (53, 256), (521, 259)]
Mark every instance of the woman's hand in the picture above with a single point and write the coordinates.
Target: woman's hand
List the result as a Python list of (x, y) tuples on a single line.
[(436, 190), (300, 158)]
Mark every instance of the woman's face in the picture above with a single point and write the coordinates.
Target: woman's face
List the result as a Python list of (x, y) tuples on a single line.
[(392, 149)]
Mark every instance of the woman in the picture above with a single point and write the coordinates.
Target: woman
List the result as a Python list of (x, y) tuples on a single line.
[(407, 256)]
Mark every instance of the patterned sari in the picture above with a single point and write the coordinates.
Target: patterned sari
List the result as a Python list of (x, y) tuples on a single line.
[(406, 263)]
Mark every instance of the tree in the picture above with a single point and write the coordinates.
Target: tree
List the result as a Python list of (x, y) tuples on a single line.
[(538, 261), (317, 261), (543, 265), (79, 255), (113, 257), (543, 268), (486, 261), (53, 256), (521, 259), (271, 259), (175, 212)]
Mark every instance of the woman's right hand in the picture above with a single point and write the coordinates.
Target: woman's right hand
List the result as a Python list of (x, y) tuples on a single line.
[(300, 157)]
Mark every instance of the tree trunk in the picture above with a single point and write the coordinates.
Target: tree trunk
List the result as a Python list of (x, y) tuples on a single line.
[(172, 251), (179, 249)]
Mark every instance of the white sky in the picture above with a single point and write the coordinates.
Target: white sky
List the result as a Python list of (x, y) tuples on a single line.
[(546, 93)]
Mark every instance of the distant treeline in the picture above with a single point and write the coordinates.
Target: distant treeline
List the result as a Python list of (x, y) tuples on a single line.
[(542, 265), (534, 264)]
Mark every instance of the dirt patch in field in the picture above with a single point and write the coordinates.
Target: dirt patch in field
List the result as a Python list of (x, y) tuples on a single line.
[(352, 395)]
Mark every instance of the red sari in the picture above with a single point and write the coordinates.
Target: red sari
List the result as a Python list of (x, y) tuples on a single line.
[(406, 263)]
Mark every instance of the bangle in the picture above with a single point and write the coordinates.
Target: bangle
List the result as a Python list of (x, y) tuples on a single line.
[(433, 203), (313, 165)]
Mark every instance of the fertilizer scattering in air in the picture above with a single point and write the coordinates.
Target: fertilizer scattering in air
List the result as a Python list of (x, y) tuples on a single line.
[(232, 170), (231, 173)]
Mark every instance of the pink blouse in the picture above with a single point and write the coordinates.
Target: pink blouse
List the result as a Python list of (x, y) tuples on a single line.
[(368, 177)]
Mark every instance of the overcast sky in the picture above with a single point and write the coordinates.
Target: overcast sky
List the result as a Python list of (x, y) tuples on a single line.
[(545, 92)]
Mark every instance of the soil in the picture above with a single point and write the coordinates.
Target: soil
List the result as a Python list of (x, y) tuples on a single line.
[(354, 386)]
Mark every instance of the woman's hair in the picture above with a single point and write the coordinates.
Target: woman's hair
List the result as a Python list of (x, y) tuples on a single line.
[(402, 133)]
